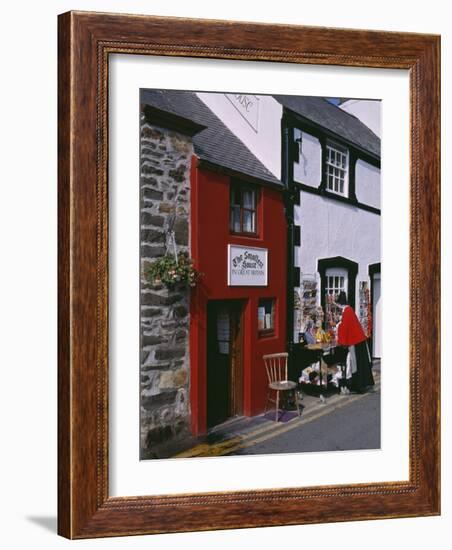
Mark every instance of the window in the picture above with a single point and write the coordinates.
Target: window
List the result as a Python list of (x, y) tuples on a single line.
[(335, 281), (243, 209), (223, 330), (336, 168), (266, 316), (337, 274)]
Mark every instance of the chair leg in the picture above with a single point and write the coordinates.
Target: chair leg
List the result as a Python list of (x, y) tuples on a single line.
[(277, 404), (296, 400)]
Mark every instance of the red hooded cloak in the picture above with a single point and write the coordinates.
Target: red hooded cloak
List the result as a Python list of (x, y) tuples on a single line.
[(349, 331)]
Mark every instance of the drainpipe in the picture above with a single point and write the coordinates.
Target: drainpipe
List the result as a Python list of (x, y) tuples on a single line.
[(287, 179)]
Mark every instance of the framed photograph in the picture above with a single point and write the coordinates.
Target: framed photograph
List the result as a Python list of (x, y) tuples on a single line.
[(248, 275)]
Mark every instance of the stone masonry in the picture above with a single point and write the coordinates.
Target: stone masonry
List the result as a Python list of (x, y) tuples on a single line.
[(165, 203)]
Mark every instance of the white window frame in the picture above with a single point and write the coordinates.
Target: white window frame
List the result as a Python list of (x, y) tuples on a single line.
[(340, 273), (337, 168)]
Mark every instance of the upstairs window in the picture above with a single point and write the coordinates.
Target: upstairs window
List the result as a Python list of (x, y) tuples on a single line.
[(243, 209), (336, 168)]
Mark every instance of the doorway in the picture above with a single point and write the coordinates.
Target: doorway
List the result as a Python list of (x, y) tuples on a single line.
[(224, 361)]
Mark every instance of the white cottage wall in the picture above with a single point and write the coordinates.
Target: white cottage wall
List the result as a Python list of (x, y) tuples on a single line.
[(330, 228), (309, 168), (367, 183)]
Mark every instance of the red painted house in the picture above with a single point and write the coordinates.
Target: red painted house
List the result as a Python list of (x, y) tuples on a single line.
[(233, 325)]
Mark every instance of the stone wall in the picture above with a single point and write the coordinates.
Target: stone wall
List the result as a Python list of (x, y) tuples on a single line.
[(165, 202)]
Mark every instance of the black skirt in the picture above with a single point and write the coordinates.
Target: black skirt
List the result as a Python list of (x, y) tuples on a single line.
[(363, 377)]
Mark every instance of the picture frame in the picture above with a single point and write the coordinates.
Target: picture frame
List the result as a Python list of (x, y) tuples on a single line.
[(86, 40)]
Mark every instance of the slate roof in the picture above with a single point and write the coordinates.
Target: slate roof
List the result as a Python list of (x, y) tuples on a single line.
[(331, 117), (215, 144)]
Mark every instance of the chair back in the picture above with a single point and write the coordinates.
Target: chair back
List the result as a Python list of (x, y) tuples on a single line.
[(276, 366)]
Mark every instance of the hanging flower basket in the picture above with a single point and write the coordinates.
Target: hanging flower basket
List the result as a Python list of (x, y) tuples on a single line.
[(172, 271)]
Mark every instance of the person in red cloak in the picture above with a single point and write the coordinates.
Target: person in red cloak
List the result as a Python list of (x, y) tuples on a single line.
[(349, 330), (350, 335)]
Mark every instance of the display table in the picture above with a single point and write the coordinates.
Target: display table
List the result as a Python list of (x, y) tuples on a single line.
[(311, 354), (322, 348)]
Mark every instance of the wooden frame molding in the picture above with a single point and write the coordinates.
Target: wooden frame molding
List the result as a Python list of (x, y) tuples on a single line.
[(86, 40)]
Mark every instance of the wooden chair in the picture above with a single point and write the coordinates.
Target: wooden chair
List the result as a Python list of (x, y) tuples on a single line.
[(276, 366)]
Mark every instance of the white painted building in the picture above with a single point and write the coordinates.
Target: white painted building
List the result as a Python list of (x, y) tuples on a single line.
[(330, 163)]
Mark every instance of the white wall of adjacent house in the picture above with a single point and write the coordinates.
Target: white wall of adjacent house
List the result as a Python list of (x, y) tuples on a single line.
[(309, 168), (330, 228), (367, 183), (368, 112), (255, 120)]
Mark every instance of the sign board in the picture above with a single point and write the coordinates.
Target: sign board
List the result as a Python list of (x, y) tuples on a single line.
[(247, 266), (248, 106)]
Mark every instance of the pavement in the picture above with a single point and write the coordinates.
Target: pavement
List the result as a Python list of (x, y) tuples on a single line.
[(341, 422)]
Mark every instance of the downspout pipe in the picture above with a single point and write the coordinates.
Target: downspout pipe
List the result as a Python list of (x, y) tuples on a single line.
[(287, 179)]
